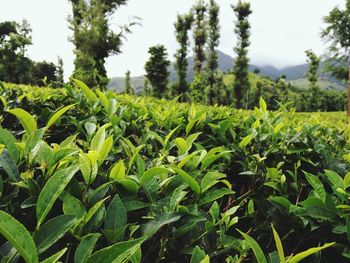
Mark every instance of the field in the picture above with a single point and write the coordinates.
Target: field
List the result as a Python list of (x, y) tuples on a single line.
[(91, 176)]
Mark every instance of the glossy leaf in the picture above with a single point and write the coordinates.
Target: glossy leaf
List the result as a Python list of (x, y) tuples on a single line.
[(52, 190), (26, 119), (52, 231), (300, 256), (118, 252), (19, 237), (85, 247), (259, 254), (88, 92), (58, 115)]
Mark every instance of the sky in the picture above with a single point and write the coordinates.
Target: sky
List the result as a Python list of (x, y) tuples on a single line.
[(281, 30)]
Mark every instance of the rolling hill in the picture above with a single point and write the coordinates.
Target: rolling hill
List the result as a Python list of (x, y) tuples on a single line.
[(295, 74)]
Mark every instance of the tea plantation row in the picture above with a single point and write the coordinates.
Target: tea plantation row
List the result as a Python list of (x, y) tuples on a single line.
[(88, 176)]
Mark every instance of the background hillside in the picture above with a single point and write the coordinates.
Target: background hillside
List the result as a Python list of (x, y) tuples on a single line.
[(295, 74)]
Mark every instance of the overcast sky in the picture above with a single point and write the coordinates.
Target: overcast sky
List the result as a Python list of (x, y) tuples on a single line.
[(281, 30)]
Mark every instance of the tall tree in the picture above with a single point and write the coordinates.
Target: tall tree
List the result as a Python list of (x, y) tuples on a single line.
[(313, 78), (182, 26), (200, 35), (15, 67), (128, 87), (240, 68), (213, 43), (94, 40), (157, 70), (337, 34), (60, 72)]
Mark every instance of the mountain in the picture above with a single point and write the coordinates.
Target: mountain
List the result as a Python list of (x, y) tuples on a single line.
[(295, 74)]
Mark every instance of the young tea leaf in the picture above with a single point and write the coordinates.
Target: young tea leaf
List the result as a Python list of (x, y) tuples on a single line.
[(27, 120), (259, 254), (52, 190)]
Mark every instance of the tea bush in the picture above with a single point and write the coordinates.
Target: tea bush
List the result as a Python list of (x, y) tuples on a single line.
[(88, 176)]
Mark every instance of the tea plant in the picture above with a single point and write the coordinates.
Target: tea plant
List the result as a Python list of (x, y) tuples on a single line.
[(91, 176)]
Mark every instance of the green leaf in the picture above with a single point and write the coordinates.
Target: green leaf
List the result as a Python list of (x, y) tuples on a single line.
[(105, 149), (85, 247), (33, 144), (206, 259), (190, 139), (300, 256), (52, 230), (119, 252), (154, 171), (72, 206), (188, 158), (9, 166), (198, 255), (167, 138), (103, 99), (334, 178), (130, 185), (3, 101), (19, 237), (278, 128), (133, 157), (112, 108), (150, 228), (116, 220), (347, 181), (54, 258), (208, 160), (88, 92), (118, 171), (10, 141), (181, 145), (58, 115), (213, 195), (262, 104), (27, 120), (259, 254), (316, 185), (90, 128), (246, 140), (94, 209), (278, 245), (211, 179), (99, 138), (52, 190), (189, 180)]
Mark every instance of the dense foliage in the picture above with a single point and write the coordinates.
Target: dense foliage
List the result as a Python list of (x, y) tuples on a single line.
[(88, 176), (337, 34), (157, 71), (241, 86), (16, 66), (94, 40)]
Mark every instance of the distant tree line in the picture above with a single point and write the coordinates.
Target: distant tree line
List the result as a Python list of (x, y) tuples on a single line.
[(95, 41), (208, 85), (16, 67)]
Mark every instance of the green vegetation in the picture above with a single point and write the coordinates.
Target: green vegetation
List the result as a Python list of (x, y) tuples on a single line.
[(93, 39), (157, 71), (241, 86), (89, 176), (16, 67)]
